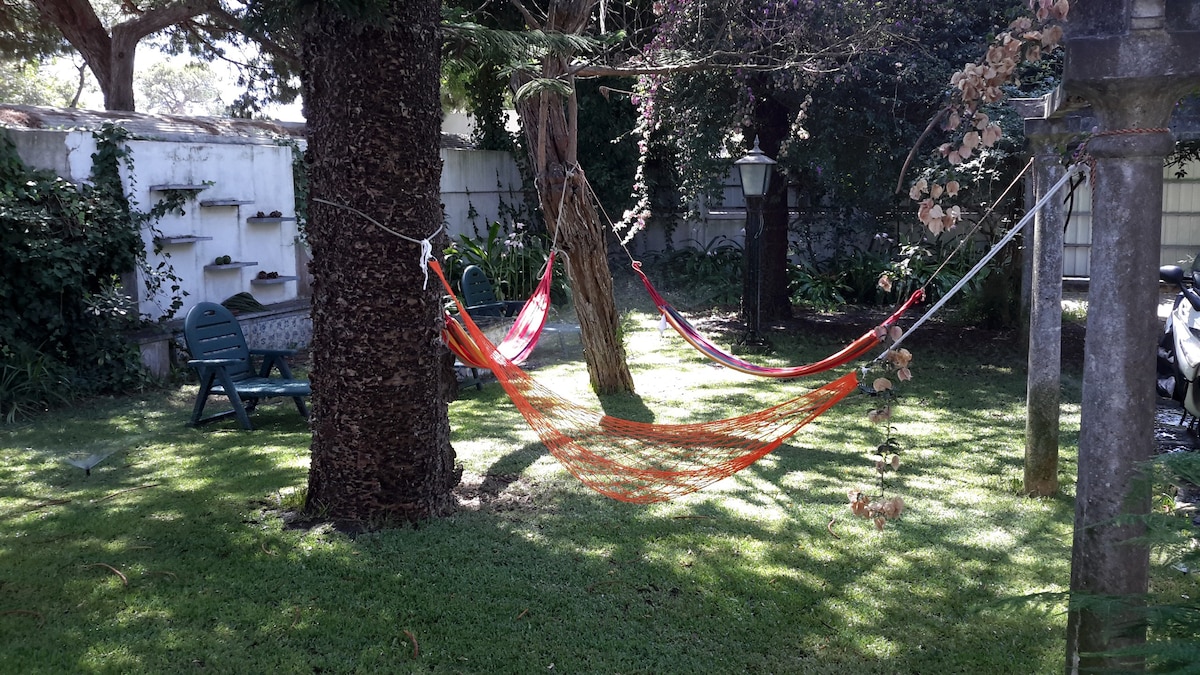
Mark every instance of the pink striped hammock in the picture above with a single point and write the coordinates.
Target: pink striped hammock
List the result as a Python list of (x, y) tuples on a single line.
[(521, 338), (859, 347)]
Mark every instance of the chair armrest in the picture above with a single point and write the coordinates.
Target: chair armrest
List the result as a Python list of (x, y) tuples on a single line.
[(214, 367), (487, 307), (273, 358), (213, 363), (273, 352)]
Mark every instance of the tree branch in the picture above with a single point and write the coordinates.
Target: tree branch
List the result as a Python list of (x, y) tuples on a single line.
[(159, 18), (529, 20), (633, 68), (917, 146), (78, 23), (273, 48)]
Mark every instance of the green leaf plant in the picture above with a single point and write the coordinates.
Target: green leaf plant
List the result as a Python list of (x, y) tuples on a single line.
[(63, 250)]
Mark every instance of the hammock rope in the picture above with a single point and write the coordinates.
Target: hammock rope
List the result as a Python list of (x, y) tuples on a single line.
[(639, 462), (1008, 236), (708, 348), (854, 350)]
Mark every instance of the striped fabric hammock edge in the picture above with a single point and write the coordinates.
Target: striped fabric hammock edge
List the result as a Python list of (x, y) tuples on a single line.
[(854, 350), (521, 338)]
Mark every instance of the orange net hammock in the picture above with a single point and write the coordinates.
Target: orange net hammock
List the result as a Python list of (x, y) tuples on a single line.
[(644, 463)]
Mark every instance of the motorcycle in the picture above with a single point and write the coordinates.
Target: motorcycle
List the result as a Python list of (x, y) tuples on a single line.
[(1179, 348)]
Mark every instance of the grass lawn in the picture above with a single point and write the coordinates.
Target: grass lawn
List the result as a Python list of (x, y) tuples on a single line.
[(172, 556)]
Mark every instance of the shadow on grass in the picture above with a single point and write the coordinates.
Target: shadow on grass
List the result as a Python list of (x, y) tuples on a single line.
[(764, 572)]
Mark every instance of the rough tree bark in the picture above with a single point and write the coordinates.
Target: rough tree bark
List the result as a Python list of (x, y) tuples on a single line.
[(551, 130), (381, 437), (110, 56)]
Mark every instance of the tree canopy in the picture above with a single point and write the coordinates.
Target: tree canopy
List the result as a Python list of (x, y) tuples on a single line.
[(107, 34)]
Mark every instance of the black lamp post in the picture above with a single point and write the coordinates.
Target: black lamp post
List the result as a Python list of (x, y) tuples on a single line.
[(755, 171)]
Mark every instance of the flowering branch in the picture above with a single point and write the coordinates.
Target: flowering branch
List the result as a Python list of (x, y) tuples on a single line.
[(976, 84)]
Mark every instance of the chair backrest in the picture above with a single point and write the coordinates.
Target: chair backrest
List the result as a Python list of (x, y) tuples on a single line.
[(477, 290), (211, 332)]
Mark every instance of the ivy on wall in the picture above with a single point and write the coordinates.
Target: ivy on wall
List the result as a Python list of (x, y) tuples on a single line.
[(63, 250)]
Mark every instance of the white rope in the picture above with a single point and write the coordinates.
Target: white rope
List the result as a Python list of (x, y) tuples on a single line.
[(987, 258), (426, 244), (423, 261)]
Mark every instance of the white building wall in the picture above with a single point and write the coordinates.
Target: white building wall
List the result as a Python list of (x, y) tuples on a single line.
[(478, 187), (234, 182), (1180, 223), (230, 181)]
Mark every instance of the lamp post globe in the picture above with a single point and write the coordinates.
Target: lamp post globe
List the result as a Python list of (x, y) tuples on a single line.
[(755, 171)]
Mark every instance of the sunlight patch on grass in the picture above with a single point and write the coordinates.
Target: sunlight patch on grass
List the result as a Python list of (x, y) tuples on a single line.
[(767, 571)]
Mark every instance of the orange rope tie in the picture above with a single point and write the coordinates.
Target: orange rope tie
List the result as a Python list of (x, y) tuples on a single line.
[(1082, 155)]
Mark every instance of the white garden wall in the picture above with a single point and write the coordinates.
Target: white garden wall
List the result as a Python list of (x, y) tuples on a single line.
[(236, 169)]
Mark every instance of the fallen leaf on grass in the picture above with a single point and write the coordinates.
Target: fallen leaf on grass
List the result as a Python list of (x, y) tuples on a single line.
[(413, 639), (110, 568)]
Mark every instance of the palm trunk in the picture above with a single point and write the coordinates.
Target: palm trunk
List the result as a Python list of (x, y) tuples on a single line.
[(381, 438), (570, 213)]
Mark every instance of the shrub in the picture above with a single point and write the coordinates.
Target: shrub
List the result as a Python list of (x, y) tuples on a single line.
[(63, 248), (512, 258), (711, 275), (30, 381)]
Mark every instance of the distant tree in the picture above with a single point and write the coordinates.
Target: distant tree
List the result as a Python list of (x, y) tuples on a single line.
[(173, 89), (32, 83), (107, 34)]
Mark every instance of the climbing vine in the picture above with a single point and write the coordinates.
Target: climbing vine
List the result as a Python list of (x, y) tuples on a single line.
[(877, 382), (63, 250), (299, 182), (111, 154)]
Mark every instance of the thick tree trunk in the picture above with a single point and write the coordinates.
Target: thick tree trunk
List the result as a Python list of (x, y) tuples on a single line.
[(570, 213), (381, 437), (118, 85), (110, 57)]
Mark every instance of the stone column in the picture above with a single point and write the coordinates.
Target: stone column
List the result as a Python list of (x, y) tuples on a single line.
[(1132, 60), (1045, 320), (1117, 419)]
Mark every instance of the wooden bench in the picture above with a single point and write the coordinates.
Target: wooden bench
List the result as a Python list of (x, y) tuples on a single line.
[(223, 361)]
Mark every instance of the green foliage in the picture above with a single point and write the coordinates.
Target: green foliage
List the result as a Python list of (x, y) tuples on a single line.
[(822, 287), (187, 89), (1171, 612), (299, 182), (607, 147), (28, 83), (63, 249), (513, 258), (711, 275), (30, 382)]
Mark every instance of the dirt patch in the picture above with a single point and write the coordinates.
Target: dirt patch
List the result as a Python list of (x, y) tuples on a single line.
[(495, 493)]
